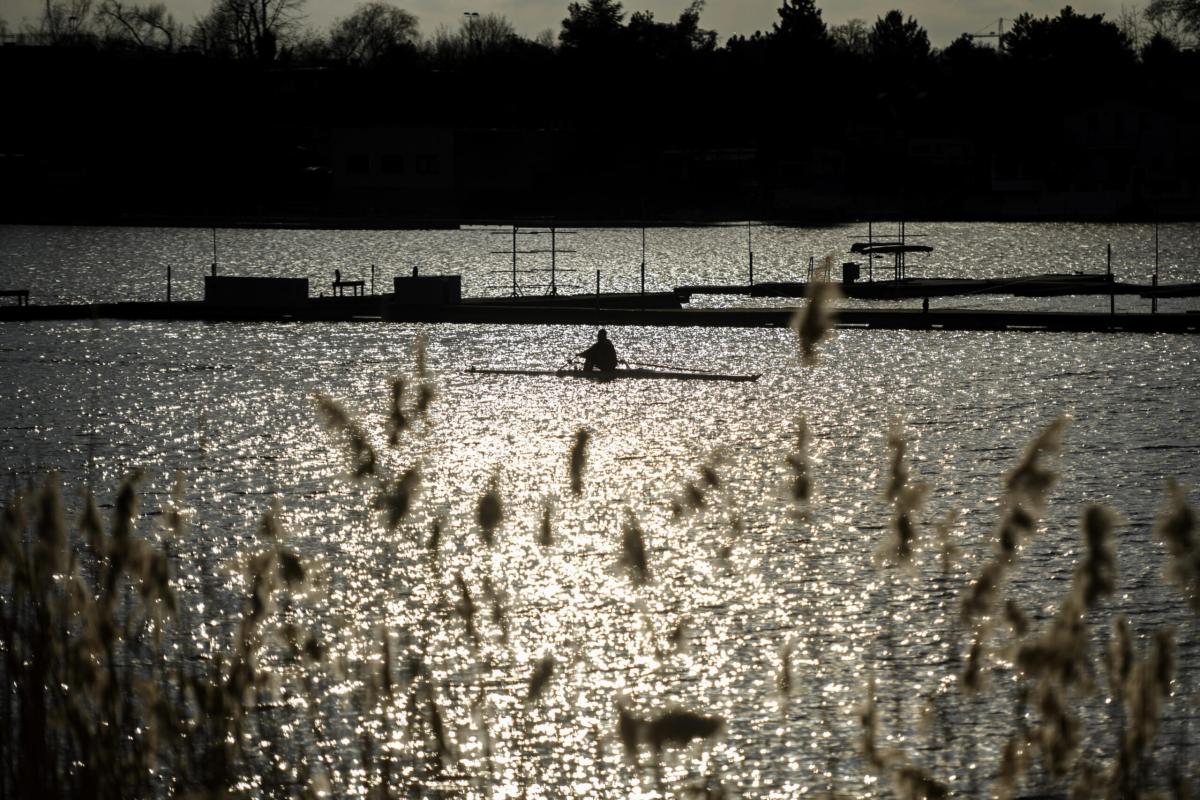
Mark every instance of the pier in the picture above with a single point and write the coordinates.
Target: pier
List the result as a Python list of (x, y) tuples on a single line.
[(438, 299), (499, 311), (918, 288)]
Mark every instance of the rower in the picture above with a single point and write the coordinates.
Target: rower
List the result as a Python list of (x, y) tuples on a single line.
[(600, 356)]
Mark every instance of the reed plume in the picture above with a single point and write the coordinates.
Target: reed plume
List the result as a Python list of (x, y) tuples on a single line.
[(695, 493), (672, 727), (364, 461), (678, 728), (490, 510), (813, 321), (1176, 527), (906, 498), (540, 679), (395, 497), (1026, 490)]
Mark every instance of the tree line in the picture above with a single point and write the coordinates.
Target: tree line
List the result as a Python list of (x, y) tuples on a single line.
[(377, 32), (613, 114)]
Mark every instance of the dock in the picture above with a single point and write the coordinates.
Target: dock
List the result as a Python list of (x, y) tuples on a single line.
[(918, 288), (438, 299), (497, 311)]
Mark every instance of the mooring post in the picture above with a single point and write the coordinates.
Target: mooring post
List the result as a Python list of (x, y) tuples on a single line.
[(168, 283), (870, 258), (643, 252), (750, 249), (372, 279), (1112, 297), (1154, 297)]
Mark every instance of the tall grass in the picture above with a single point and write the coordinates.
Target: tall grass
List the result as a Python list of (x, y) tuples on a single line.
[(108, 695)]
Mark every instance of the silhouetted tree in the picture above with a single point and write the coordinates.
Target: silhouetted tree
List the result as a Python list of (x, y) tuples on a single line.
[(898, 42), (690, 30), (800, 29), (594, 25), (1160, 53), (1068, 39), (477, 36), (1134, 23), (65, 21), (249, 29), (666, 41), (964, 53), (148, 27), (372, 33), (852, 37), (1178, 18)]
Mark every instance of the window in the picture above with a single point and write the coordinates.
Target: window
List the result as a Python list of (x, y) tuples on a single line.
[(392, 164), (427, 165)]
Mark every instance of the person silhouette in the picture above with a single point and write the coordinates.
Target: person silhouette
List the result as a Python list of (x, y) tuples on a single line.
[(337, 276), (600, 356)]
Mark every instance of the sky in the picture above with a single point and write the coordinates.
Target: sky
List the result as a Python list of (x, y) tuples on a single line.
[(944, 19)]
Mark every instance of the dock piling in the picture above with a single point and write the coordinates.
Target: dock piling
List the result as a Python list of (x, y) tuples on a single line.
[(750, 250), (1112, 298), (168, 283), (1154, 299)]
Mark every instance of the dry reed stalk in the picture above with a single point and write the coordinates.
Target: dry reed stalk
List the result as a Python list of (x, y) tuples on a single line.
[(633, 551), (868, 718), (466, 610), (916, 783), (801, 478), (577, 460), (499, 616), (397, 419), (1145, 692), (545, 529), (784, 682)]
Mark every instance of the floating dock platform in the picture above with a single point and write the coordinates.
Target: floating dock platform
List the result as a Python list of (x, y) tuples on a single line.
[(381, 308), (918, 288)]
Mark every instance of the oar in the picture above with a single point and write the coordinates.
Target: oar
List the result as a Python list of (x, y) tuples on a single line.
[(668, 366)]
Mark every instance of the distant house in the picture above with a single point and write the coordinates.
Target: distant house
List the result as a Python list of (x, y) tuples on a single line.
[(1111, 159), (813, 183), (393, 169), (1146, 155)]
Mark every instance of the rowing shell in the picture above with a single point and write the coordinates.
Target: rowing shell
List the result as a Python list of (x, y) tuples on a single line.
[(614, 374)]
